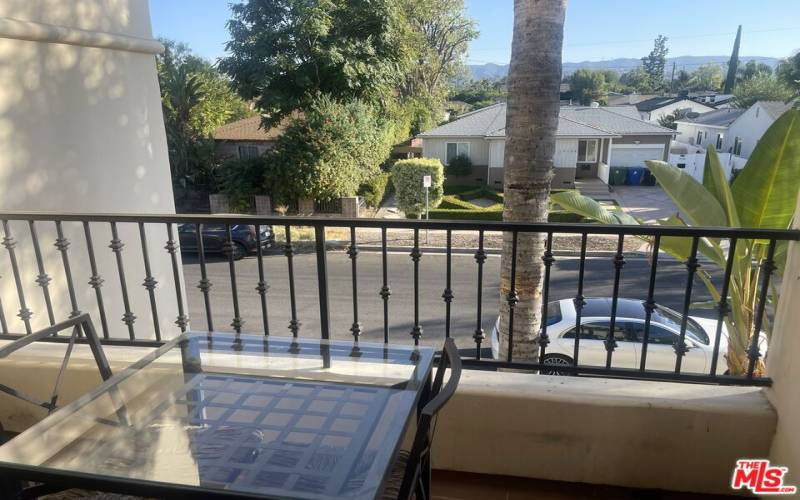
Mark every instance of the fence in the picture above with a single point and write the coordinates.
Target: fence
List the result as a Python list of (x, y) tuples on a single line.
[(163, 286)]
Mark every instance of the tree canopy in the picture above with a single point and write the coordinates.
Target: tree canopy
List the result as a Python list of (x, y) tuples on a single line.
[(788, 71), (285, 54), (761, 87), (196, 99), (588, 85), (328, 151)]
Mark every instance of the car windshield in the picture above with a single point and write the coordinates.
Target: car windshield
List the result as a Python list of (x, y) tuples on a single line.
[(553, 313), (672, 319)]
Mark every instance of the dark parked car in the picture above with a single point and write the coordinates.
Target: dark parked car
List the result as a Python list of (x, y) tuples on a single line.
[(214, 237)]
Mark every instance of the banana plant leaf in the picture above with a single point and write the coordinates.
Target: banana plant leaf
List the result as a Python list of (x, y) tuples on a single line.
[(765, 191), (715, 181), (699, 206)]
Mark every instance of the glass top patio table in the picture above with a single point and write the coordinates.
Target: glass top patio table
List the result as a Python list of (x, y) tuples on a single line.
[(243, 416)]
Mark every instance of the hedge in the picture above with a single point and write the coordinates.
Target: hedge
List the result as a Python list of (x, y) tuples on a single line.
[(375, 190), (558, 216), (407, 180), (457, 214)]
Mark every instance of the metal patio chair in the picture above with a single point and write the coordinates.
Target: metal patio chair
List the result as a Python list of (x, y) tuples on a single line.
[(82, 327), (411, 474)]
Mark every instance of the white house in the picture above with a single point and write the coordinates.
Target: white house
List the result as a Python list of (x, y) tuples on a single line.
[(656, 108), (708, 128), (589, 141), (735, 131)]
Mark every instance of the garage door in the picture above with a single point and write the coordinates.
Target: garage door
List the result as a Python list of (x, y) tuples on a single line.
[(635, 157)]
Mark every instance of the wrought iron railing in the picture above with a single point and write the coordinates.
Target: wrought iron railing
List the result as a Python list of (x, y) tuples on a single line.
[(27, 263)]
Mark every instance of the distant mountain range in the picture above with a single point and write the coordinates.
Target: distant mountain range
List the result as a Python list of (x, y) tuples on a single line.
[(493, 71)]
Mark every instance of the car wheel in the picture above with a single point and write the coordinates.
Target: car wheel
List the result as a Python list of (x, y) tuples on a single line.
[(239, 251), (555, 360)]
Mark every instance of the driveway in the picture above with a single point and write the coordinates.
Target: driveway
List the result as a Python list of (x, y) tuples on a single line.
[(645, 202)]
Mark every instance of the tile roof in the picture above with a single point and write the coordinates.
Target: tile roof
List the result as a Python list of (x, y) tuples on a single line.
[(247, 129), (582, 121), (718, 118)]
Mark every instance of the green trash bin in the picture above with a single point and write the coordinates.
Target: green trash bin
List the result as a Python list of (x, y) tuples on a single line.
[(617, 176)]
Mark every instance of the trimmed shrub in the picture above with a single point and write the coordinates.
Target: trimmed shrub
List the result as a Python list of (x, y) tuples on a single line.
[(407, 180), (449, 201), (461, 165), (375, 190), (460, 214)]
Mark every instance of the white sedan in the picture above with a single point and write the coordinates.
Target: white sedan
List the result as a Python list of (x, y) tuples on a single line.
[(665, 328)]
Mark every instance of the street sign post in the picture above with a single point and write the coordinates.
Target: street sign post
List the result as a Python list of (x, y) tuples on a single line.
[(426, 183)]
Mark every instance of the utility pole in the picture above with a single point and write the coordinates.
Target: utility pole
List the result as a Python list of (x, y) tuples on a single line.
[(672, 79)]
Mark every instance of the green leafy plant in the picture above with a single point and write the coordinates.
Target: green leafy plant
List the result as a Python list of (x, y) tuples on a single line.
[(459, 166), (240, 179), (407, 177), (329, 151), (763, 195), (375, 190)]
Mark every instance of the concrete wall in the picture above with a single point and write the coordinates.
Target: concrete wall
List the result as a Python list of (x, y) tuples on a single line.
[(784, 369), (603, 431), (81, 130)]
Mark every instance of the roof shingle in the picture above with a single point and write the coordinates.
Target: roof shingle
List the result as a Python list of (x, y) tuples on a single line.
[(574, 121)]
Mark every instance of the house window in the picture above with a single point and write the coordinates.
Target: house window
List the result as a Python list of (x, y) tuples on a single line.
[(587, 151), (737, 146), (699, 138), (247, 152), (719, 142), (457, 149)]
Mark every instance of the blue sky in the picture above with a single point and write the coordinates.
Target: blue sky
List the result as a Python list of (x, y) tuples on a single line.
[(594, 30)]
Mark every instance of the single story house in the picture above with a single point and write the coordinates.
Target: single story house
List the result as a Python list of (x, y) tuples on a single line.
[(655, 108), (244, 138), (731, 130), (590, 139)]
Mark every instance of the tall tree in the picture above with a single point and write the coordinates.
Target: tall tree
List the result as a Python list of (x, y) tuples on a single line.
[(441, 34), (588, 85), (751, 70), (286, 53), (706, 77), (730, 80), (196, 99), (534, 80), (444, 32), (788, 71), (655, 62)]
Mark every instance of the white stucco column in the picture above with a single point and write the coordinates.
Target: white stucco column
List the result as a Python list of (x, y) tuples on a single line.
[(81, 130), (784, 368)]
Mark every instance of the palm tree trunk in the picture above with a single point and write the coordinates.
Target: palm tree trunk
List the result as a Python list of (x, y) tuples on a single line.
[(534, 80)]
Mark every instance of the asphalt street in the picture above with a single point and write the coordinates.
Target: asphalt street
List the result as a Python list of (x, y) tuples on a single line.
[(598, 281)]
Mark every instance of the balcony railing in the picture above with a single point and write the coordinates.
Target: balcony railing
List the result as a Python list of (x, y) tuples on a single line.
[(74, 238)]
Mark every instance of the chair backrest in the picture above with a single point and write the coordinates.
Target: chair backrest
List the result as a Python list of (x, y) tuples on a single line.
[(81, 326), (441, 393)]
